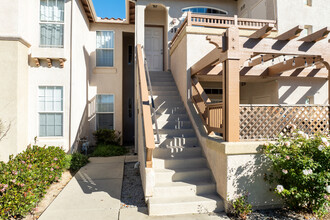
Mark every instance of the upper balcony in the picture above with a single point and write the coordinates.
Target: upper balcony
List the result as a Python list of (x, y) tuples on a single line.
[(221, 22)]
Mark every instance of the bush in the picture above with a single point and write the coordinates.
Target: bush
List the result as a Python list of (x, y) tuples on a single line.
[(301, 171), (104, 150), (107, 136), (78, 160), (241, 207), (25, 178)]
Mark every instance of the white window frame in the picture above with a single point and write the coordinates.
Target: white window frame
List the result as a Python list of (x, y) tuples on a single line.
[(114, 109), (113, 49), (226, 12), (51, 22), (55, 112)]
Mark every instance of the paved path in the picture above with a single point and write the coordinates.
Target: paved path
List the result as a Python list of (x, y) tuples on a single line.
[(94, 194)]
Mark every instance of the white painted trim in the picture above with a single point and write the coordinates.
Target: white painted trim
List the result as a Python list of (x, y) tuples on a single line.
[(114, 109), (14, 38), (114, 49), (38, 112)]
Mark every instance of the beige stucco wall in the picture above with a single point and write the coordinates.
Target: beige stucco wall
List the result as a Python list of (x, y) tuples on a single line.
[(294, 12), (259, 93), (296, 90), (108, 80), (13, 97), (258, 9)]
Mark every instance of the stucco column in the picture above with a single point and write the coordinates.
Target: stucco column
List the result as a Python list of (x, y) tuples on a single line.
[(231, 86), (139, 39)]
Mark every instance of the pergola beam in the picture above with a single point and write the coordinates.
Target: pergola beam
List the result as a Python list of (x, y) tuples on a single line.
[(262, 32), (215, 56), (215, 40), (262, 58), (273, 46), (299, 62), (291, 34), (317, 36)]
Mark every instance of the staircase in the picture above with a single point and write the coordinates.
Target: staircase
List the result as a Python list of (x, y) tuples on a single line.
[(183, 181)]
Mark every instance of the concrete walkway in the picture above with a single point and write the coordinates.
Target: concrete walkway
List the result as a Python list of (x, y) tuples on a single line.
[(95, 191)]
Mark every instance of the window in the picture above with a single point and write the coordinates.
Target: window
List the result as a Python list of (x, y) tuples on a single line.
[(105, 112), (51, 23), (205, 10), (104, 48), (308, 2), (50, 111)]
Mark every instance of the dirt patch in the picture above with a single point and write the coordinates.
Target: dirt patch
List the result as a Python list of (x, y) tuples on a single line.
[(51, 194)]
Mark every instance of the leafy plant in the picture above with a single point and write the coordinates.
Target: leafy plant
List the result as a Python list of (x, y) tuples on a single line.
[(107, 136), (25, 178), (241, 207), (78, 160), (301, 171), (104, 150)]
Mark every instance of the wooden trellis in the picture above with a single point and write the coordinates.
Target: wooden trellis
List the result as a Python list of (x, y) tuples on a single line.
[(268, 121)]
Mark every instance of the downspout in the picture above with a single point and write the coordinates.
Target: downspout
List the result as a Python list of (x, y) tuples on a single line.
[(70, 108)]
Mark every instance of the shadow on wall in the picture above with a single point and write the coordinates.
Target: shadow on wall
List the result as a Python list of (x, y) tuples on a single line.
[(84, 124), (249, 177), (298, 90)]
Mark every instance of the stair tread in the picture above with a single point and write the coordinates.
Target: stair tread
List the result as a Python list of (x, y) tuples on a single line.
[(184, 184), (184, 199), (179, 170)]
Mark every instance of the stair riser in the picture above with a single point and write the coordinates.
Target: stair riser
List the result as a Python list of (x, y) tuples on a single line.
[(168, 102), (177, 152), (168, 83), (164, 88), (171, 142), (167, 177), (191, 190), (183, 163), (169, 110), (185, 208), (166, 118), (165, 93), (176, 132), (173, 124)]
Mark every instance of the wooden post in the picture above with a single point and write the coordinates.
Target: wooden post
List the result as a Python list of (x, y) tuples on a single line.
[(189, 18), (231, 86)]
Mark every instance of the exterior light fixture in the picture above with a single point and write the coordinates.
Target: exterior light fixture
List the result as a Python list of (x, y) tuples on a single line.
[(305, 62), (284, 62), (262, 59), (273, 61), (313, 65), (294, 61), (250, 61)]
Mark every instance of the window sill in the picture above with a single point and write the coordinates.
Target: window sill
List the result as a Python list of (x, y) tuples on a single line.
[(105, 70)]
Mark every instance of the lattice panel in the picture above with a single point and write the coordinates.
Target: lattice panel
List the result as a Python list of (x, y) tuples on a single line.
[(267, 122)]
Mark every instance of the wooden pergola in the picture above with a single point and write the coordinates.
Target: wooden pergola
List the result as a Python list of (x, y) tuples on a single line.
[(234, 52)]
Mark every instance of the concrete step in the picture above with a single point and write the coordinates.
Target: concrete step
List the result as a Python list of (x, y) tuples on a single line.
[(191, 188), (177, 125), (178, 163), (162, 83), (165, 88), (160, 73), (170, 110), (165, 99), (168, 104), (177, 152), (180, 132), (185, 205), (168, 141), (187, 174), (165, 93), (172, 117)]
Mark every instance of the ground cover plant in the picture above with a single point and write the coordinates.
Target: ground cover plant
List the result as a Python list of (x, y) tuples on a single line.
[(301, 171), (25, 178), (76, 161), (107, 144), (241, 208)]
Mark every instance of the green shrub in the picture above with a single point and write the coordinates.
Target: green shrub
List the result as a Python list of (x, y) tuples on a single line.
[(78, 160), (104, 150), (25, 178), (241, 207), (67, 161), (107, 136), (301, 171)]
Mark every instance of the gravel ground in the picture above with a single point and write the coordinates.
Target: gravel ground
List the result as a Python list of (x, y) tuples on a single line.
[(132, 192)]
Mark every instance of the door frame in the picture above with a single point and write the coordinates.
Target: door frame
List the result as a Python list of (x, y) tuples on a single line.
[(159, 26)]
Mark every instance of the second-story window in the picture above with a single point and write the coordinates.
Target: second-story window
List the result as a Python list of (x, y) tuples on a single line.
[(104, 48), (205, 10), (51, 23)]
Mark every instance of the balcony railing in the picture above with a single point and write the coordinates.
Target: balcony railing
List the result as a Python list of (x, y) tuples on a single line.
[(214, 21), (260, 122)]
